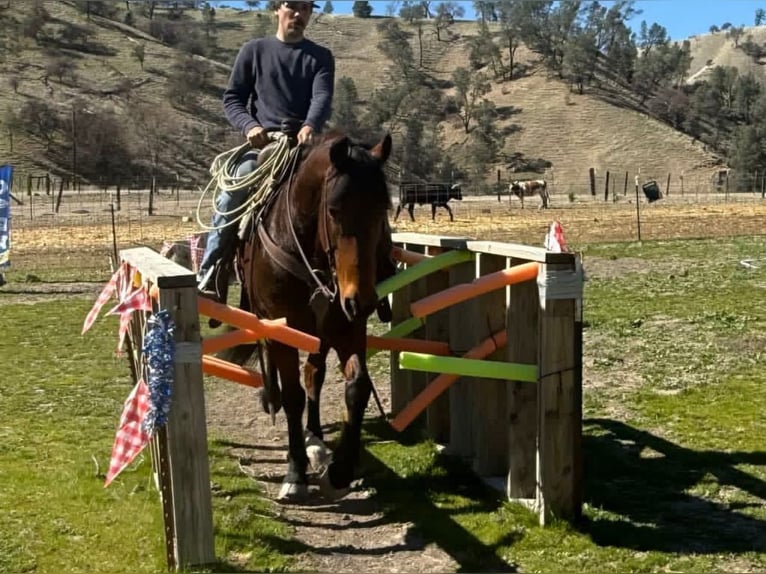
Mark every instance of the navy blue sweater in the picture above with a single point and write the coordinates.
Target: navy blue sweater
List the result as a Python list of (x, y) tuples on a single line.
[(272, 80)]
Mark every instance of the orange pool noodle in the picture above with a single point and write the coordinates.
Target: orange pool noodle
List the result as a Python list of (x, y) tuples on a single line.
[(442, 382), (226, 370), (479, 286), (212, 345)]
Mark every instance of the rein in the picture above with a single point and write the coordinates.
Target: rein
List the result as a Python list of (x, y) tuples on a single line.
[(286, 260)]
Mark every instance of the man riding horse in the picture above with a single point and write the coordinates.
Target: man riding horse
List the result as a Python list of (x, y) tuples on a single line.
[(274, 80)]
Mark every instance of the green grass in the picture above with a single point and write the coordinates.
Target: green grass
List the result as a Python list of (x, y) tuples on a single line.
[(675, 469), (61, 396)]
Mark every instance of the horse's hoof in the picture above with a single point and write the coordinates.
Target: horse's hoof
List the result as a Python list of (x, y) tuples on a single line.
[(328, 491), (319, 455), (292, 493)]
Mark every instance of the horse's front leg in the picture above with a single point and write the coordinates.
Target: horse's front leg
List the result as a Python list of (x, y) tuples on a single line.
[(449, 210), (336, 481), (295, 485), (313, 378)]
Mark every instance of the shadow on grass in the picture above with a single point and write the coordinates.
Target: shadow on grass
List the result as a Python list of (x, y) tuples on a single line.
[(406, 500), (646, 480)]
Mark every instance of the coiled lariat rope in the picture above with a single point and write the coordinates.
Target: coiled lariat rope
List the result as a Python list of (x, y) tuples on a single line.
[(224, 180)]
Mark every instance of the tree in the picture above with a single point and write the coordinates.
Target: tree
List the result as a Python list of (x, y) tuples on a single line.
[(714, 29), (760, 16), (328, 8), (483, 51), (344, 115), (469, 89), (747, 151), (735, 33), (446, 12), (252, 4), (746, 92), (580, 59), (361, 9)]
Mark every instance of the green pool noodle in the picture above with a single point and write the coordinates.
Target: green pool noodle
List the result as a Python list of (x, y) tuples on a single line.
[(420, 270), (468, 367)]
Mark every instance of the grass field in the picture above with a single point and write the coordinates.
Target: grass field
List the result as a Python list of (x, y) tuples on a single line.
[(673, 434)]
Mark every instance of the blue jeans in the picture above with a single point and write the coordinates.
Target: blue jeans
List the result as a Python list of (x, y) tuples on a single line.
[(221, 240)]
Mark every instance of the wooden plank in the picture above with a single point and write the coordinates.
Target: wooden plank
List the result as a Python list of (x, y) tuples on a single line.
[(557, 410), (423, 240), (522, 325), (401, 380), (489, 397), (417, 380), (159, 270), (518, 251), (462, 338), (187, 438), (437, 329)]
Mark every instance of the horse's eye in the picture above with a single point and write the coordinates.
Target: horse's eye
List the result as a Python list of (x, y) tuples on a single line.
[(334, 212)]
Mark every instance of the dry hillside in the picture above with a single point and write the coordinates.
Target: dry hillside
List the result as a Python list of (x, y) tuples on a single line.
[(543, 119), (711, 50)]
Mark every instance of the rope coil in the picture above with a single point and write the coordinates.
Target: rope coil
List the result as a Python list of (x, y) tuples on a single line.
[(260, 181)]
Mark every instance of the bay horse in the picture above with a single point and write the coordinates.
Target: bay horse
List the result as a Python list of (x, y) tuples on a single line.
[(314, 256)]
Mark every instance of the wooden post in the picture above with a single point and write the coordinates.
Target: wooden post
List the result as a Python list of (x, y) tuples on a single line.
[(401, 380), (592, 174), (437, 329), (489, 398), (559, 472), (625, 189), (521, 326), (638, 211), (606, 187), (190, 526), (151, 198), (667, 186), (61, 192), (461, 339)]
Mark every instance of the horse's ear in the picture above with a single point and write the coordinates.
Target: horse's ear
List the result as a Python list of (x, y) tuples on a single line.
[(383, 149), (339, 154)]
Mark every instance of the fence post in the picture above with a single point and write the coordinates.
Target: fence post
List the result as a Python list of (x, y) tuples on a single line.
[(490, 397), (592, 174), (437, 329), (461, 340), (559, 472), (401, 379), (521, 327), (190, 526)]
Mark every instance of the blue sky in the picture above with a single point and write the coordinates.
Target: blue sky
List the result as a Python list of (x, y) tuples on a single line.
[(681, 18)]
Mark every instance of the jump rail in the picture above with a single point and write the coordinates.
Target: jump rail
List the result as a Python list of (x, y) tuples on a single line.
[(509, 398)]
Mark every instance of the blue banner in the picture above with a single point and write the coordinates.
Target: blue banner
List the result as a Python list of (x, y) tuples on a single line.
[(6, 177)]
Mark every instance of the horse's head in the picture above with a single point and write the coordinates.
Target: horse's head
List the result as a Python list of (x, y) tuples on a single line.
[(357, 202), (456, 191)]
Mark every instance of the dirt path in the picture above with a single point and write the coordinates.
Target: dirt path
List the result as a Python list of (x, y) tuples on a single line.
[(351, 535)]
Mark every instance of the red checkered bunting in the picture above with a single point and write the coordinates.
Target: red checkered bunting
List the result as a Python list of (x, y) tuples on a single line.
[(104, 296), (130, 439), (138, 300)]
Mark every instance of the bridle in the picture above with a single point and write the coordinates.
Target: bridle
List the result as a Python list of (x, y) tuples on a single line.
[(301, 269)]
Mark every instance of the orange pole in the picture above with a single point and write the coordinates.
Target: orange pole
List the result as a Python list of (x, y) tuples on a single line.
[(404, 344), (276, 329), (227, 340), (442, 382), (408, 257), (479, 286), (226, 370), (269, 329)]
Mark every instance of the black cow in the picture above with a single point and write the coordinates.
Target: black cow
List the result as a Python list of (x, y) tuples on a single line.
[(437, 194)]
